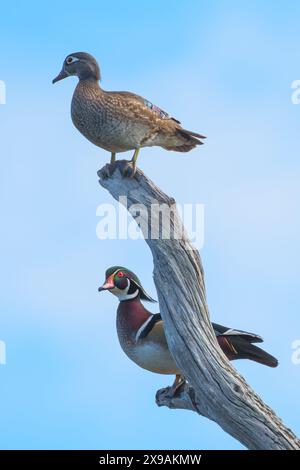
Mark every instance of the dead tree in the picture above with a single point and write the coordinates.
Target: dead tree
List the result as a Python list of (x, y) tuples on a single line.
[(215, 389)]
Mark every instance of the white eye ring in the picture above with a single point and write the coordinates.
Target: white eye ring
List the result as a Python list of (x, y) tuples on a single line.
[(71, 60)]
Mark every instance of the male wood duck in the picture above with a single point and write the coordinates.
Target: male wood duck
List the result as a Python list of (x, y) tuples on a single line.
[(142, 337), (118, 121)]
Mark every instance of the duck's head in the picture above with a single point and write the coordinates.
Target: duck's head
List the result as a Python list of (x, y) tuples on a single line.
[(81, 64), (124, 284)]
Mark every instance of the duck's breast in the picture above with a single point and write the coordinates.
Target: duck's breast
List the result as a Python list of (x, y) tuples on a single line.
[(155, 358), (97, 119), (151, 355)]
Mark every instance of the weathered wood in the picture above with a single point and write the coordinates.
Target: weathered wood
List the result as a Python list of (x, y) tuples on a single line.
[(215, 389)]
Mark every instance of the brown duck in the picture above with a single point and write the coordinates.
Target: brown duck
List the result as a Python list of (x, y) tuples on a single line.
[(118, 121)]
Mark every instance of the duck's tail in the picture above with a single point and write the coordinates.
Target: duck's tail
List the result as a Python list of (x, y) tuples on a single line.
[(256, 354), (237, 344), (183, 140)]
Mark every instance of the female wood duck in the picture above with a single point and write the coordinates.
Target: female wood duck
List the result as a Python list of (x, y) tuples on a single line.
[(118, 121), (142, 337)]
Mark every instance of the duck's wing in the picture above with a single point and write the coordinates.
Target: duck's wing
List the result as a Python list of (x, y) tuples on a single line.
[(152, 331), (141, 110), (141, 105)]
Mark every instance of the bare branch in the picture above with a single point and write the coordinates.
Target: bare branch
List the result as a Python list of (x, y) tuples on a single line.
[(216, 389)]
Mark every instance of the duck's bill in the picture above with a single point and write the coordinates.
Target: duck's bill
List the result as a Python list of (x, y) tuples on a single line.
[(109, 284), (60, 76)]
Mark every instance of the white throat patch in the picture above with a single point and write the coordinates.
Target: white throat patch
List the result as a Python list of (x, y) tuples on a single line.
[(129, 296)]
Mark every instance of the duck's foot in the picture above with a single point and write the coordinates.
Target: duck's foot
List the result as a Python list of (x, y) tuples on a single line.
[(178, 383), (171, 394), (184, 398), (128, 169)]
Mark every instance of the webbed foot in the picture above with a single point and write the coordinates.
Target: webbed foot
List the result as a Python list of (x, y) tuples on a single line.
[(129, 169), (126, 168), (178, 383)]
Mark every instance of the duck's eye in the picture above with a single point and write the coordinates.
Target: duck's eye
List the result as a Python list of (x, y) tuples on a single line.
[(69, 60), (121, 274)]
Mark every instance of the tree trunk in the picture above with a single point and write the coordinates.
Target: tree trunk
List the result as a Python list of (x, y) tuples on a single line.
[(215, 389)]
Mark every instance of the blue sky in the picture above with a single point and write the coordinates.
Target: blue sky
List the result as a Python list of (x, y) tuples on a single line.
[(223, 68)]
